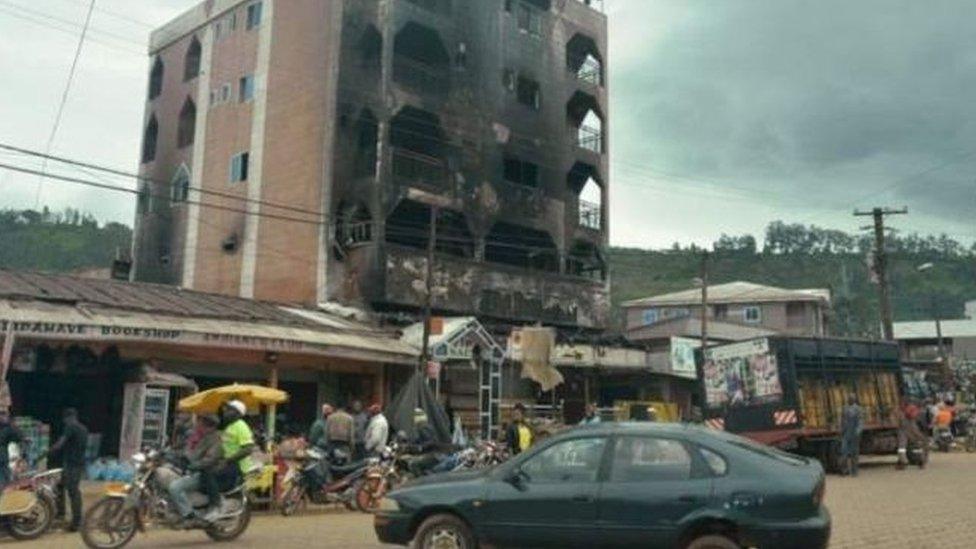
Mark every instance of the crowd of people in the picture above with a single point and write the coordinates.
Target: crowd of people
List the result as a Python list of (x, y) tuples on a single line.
[(358, 432)]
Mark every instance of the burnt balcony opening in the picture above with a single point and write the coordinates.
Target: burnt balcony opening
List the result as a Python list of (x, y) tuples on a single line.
[(583, 59), (420, 60), (522, 172), (156, 79), (419, 149), (409, 226), (522, 247), (584, 115), (585, 260), (371, 48), (584, 182), (354, 225), (367, 136)]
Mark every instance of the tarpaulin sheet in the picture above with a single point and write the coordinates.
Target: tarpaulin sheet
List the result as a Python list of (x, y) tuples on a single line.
[(417, 394)]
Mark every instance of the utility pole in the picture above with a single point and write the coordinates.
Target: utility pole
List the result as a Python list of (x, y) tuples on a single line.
[(881, 264), (704, 303), (429, 288)]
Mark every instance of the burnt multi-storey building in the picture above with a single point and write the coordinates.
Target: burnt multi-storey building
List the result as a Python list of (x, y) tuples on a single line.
[(294, 151)]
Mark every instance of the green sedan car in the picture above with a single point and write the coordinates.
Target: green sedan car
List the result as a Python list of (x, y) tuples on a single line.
[(620, 485)]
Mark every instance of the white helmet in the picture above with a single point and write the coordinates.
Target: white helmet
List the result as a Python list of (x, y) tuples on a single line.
[(239, 406)]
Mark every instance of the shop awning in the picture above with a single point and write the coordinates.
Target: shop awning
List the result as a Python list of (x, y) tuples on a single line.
[(51, 321)]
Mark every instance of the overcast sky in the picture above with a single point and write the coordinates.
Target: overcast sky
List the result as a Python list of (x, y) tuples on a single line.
[(725, 115)]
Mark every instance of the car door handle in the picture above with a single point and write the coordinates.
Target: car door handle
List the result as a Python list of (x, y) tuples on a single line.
[(582, 498)]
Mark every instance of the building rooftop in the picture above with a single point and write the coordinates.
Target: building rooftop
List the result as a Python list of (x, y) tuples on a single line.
[(925, 329), (734, 292)]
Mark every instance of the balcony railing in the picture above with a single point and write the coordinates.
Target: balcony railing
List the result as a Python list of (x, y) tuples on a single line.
[(590, 70), (420, 77), (416, 169), (590, 139), (590, 215)]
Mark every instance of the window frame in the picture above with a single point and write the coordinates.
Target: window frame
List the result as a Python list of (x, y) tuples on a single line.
[(696, 469), (254, 15), (239, 171), (242, 87), (600, 470), (746, 316)]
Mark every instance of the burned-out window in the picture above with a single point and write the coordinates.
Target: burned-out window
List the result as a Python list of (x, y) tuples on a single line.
[(521, 246), (149, 140), (583, 59), (528, 92), (583, 113), (186, 129), (409, 226), (420, 60), (371, 48), (584, 182), (521, 172), (586, 260), (191, 63), (156, 79), (529, 13), (367, 134), (180, 186), (419, 148), (354, 225)]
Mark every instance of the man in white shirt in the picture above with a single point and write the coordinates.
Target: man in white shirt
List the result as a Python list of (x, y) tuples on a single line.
[(377, 431)]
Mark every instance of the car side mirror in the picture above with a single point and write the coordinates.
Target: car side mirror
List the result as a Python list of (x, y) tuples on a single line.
[(516, 477)]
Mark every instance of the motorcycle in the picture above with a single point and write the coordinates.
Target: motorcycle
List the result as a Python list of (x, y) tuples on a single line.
[(384, 475), (943, 439), (323, 479), (28, 505), (126, 509)]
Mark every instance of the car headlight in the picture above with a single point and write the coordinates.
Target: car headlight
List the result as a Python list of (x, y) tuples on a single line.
[(388, 505)]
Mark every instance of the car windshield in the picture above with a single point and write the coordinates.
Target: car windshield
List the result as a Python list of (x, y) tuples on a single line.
[(761, 449)]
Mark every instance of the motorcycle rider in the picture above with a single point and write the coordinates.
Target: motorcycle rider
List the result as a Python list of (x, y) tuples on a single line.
[(943, 422), (424, 445), (377, 431), (204, 459), (238, 444)]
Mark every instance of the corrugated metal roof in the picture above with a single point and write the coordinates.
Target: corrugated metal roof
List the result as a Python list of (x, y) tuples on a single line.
[(733, 292), (691, 327), (925, 329)]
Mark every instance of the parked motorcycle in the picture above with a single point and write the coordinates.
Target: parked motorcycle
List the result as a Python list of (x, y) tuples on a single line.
[(382, 476), (126, 509), (28, 505), (324, 479), (943, 439)]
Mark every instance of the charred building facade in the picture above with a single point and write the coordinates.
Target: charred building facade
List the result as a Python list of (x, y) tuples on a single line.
[(331, 134)]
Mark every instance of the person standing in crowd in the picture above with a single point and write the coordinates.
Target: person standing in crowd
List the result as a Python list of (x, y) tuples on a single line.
[(850, 442), (316, 435), (910, 433), (377, 431), (359, 421), (8, 435), (592, 415), (72, 446), (518, 437), (340, 431)]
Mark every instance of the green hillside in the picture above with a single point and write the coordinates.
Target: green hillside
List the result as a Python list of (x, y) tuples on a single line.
[(62, 241)]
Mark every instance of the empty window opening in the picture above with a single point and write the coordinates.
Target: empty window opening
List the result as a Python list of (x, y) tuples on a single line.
[(420, 60), (191, 64), (523, 247), (254, 12), (156, 79), (371, 48), (239, 166), (188, 124), (584, 60), (528, 14), (591, 205), (409, 226), (180, 186), (367, 135), (419, 148), (528, 92), (149, 140), (246, 88), (585, 260), (522, 172), (583, 112), (354, 225)]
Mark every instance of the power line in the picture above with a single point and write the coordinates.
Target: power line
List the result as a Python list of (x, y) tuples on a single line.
[(64, 100), (72, 32)]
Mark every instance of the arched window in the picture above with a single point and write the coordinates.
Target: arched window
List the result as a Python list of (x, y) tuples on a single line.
[(180, 185), (149, 139), (191, 65), (591, 205), (584, 114), (188, 124), (583, 59), (156, 79)]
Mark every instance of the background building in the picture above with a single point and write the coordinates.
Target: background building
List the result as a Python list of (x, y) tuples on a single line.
[(374, 112)]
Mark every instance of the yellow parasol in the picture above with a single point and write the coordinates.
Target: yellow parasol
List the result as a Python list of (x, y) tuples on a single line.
[(253, 396)]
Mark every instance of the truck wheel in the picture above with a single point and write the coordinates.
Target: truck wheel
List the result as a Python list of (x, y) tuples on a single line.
[(713, 542)]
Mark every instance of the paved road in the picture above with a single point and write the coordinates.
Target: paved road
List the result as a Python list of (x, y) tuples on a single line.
[(882, 508)]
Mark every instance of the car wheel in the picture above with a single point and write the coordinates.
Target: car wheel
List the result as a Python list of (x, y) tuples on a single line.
[(713, 542), (444, 532)]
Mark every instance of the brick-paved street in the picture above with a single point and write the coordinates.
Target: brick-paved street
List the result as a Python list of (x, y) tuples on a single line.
[(882, 508)]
